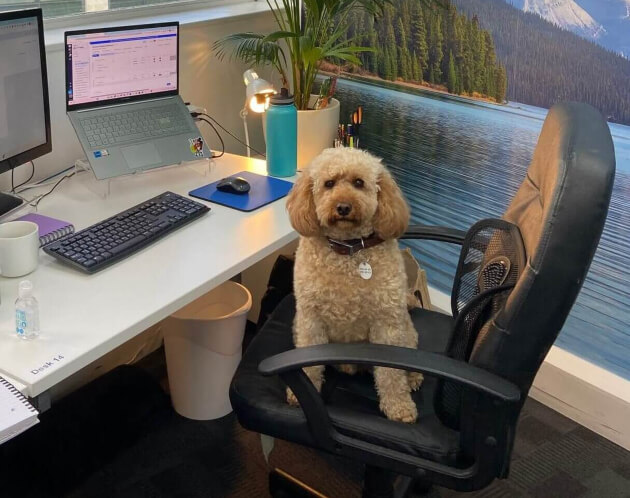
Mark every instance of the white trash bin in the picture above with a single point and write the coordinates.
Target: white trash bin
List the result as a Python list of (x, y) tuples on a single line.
[(203, 344)]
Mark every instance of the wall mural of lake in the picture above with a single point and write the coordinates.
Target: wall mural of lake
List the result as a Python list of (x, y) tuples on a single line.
[(458, 163)]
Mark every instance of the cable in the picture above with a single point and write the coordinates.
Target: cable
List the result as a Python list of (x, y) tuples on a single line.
[(79, 166), (13, 186), (43, 182), (218, 135), (197, 114), (232, 135), (39, 199)]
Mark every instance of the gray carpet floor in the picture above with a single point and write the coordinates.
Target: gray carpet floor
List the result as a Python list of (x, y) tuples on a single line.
[(86, 450), (553, 458)]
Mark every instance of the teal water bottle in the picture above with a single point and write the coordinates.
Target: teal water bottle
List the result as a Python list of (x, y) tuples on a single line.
[(281, 135)]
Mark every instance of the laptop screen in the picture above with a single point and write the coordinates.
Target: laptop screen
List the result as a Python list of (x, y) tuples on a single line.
[(121, 64)]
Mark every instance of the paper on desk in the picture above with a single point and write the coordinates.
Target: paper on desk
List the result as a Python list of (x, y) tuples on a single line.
[(16, 413)]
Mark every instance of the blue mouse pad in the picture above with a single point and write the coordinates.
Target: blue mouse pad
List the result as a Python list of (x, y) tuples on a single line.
[(263, 190)]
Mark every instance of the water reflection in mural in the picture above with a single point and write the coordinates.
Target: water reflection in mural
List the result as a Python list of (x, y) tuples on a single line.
[(459, 162)]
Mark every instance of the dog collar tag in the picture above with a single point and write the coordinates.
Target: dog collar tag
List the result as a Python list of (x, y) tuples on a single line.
[(365, 270)]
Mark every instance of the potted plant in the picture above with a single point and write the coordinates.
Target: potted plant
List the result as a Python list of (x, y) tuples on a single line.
[(310, 31)]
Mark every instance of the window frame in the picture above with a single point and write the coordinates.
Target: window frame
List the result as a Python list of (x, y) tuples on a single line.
[(130, 13)]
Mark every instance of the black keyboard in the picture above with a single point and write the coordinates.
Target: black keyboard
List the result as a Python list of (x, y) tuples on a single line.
[(117, 237)]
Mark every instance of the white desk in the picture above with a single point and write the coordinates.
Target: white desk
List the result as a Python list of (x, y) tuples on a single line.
[(85, 316)]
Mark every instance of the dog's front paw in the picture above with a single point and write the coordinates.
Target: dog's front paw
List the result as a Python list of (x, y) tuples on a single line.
[(403, 410), (291, 399), (415, 380)]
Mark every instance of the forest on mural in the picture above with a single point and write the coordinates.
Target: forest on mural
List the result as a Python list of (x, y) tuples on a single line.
[(423, 43), (488, 48)]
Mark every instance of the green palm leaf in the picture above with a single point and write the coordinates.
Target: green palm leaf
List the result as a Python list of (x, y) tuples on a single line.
[(248, 47), (254, 49), (279, 35)]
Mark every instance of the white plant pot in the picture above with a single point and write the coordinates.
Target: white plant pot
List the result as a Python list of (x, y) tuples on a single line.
[(317, 130)]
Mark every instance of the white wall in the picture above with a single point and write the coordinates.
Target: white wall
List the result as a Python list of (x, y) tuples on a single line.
[(205, 81)]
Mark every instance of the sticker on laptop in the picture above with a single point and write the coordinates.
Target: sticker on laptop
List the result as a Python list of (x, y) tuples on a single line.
[(196, 146), (101, 153)]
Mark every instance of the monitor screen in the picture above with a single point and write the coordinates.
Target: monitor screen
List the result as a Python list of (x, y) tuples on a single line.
[(120, 64), (24, 116)]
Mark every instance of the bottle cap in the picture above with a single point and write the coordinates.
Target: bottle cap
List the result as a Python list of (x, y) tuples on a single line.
[(282, 98), (25, 289)]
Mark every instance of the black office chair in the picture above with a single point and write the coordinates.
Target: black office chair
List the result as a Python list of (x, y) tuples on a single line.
[(516, 282)]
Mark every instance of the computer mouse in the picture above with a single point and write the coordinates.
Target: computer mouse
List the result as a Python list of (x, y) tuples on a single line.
[(234, 185)]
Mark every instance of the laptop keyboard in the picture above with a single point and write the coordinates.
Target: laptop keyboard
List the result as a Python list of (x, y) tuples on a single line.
[(124, 126)]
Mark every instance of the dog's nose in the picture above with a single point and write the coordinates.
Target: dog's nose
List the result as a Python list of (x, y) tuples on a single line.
[(344, 209)]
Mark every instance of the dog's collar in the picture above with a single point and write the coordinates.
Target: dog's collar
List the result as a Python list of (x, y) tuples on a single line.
[(352, 246)]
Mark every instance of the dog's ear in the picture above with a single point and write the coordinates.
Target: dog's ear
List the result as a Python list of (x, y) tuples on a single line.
[(392, 213), (301, 207)]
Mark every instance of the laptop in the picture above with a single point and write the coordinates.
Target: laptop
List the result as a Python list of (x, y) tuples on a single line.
[(122, 97)]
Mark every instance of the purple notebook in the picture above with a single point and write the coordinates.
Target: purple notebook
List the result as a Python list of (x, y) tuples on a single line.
[(50, 229)]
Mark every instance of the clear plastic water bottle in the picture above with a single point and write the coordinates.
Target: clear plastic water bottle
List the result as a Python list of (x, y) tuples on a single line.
[(26, 312), (281, 135)]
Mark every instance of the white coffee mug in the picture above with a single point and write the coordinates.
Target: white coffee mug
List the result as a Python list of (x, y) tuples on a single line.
[(19, 248)]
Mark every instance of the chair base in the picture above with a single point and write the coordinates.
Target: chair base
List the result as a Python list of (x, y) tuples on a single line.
[(381, 483), (378, 483)]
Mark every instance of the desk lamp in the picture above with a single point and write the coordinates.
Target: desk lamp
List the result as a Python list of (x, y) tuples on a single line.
[(257, 94)]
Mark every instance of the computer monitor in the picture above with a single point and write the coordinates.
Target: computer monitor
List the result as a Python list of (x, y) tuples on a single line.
[(24, 109)]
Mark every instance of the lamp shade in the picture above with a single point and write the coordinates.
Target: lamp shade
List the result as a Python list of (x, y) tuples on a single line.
[(258, 91)]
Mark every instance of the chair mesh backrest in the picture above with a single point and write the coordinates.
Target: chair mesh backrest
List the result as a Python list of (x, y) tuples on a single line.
[(491, 261)]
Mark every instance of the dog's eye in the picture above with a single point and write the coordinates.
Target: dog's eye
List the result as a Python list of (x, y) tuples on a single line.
[(329, 183), (358, 183)]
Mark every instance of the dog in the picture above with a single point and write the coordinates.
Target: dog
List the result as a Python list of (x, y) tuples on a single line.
[(346, 197)]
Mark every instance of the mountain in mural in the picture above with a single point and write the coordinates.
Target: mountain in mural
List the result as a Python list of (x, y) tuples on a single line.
[(606, 22), (564, 13)]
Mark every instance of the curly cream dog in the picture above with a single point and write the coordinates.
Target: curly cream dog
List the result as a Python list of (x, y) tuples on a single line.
[(347, 194)]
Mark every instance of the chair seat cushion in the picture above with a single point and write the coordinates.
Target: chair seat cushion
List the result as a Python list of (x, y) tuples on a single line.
[(260, 402)]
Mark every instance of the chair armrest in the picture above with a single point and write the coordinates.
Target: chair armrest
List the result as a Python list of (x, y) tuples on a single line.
[(441, 234), (394, 357)]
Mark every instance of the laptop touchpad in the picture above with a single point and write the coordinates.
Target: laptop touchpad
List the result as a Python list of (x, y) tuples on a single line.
[(141, 155)]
